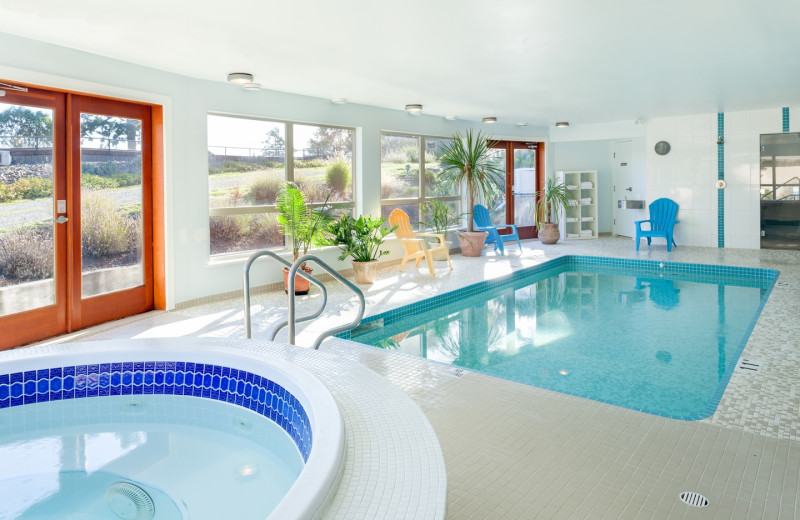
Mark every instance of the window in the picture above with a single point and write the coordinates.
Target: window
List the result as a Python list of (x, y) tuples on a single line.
[(410, 177), (248, 165)]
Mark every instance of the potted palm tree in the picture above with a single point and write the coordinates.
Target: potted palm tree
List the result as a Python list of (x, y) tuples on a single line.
[(304, 225), (466, 160), (549, 202), (361, 239)]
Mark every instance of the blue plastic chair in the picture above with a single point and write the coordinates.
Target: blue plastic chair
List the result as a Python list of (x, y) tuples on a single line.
[(483, 222), (662, 220)]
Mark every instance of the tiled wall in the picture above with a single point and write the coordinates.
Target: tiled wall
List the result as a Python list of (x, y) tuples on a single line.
[(688, 173)]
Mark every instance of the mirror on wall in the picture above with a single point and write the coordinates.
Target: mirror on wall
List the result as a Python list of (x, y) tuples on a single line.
[(780, 191)]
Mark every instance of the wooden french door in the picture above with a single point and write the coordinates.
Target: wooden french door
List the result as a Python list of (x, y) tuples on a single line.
[(76, 225), (524, 175)]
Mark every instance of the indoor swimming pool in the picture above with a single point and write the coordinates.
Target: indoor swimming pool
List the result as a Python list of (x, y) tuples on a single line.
[(660, 337)]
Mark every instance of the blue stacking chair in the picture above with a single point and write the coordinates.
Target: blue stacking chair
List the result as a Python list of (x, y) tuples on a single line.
[(662, 220), (483, 222)]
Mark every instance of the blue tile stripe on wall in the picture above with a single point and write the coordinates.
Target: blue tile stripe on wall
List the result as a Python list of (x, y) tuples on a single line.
[(785, 119), (721, 176), (229, 385)]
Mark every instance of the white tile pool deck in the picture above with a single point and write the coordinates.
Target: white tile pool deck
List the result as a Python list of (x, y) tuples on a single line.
[(514, 451)]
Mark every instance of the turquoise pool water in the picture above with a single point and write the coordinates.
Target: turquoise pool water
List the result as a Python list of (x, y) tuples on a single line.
[(662, 338)]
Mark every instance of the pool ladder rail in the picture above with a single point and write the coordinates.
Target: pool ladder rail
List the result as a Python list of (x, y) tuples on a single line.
[(293, 320)]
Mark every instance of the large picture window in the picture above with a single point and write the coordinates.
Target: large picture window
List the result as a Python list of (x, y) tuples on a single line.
[(248, 165), (410, 176)]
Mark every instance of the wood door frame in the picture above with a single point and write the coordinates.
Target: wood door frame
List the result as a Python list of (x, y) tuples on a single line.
[(509, 147), (41, 323)]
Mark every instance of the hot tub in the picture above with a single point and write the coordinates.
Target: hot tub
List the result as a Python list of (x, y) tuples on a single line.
[(185, 427)]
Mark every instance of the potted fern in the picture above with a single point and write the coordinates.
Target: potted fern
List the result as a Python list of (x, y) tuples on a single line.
[(467, 160), (304, 225), (549, 202), (441, 219), (361, 239)]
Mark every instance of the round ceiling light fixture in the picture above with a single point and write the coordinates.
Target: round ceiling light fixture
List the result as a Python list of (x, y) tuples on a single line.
[(489, 120), (522, 124), (339, 100), (450, 118), (251, 86), (562, 124), (240, 78), (414, 109)]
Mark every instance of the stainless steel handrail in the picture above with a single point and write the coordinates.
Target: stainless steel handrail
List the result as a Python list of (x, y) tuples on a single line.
[(246, 290), (331, 271)]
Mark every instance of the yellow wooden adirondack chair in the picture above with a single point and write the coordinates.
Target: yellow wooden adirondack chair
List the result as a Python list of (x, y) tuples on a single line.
[(415, 246)]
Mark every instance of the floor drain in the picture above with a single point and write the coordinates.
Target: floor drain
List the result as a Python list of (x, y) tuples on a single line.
[(782, 284), (694, 499), (749, 365), (457, 372)]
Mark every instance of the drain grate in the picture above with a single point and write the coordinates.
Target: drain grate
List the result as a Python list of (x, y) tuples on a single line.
[(456, 372), (782, 284), (694, 499), (749, 365)]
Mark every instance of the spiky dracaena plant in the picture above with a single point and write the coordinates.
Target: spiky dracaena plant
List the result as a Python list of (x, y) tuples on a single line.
[(299, 221), (550, 201), (467, 160)]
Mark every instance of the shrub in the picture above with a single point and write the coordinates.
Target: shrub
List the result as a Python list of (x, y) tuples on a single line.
[(265, 231), (338, 175), (240, 166), (264, 188), (225, 228), (106, 229), (26, 188), (310, 163), (315, 191), (392, 187), (95, 182), (26, 254), (127, 179)]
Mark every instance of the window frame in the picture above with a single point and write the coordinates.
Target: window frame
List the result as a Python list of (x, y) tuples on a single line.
[(421, 198), (288, 177)]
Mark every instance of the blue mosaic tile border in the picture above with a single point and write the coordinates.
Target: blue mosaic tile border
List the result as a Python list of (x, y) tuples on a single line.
[(565, 263), (785, 118), (721, 176), (229, 385)]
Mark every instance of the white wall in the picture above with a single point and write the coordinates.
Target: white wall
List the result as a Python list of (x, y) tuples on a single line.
[(190, 271), (590, 155)]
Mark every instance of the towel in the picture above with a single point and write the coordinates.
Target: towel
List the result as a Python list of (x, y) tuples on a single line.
[(587, 185), (587, 219), (573, 202), (572, 235), (573, 219), (586, 201), (586, 233), (571, 187)]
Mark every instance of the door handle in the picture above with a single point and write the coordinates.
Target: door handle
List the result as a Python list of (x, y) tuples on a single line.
[(61, 219)]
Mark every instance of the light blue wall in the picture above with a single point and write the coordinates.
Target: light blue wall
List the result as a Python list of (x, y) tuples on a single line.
[(191, 273)]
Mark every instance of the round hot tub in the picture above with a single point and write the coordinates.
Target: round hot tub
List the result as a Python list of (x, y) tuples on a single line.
[(172, 429)]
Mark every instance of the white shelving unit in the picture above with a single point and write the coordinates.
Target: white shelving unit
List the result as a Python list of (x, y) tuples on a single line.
[(579, 220)]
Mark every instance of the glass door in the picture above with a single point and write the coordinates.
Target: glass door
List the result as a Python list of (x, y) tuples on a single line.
[(32, 238), (524, 167), (110, 159), (75, 212)]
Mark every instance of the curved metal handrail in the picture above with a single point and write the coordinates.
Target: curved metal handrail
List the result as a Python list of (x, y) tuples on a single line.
[(331, 271), (246, 290)]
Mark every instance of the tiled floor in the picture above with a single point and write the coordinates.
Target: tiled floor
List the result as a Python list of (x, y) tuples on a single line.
[(514, 451)]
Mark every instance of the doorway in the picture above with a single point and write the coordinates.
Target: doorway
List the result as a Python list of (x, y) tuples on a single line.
[(623, 187), (523, 164), (780, 191), (76, 227)]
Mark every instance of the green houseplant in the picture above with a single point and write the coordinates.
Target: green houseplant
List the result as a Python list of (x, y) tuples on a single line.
[(466, 160), (360, 239), (441, 219), (303, 224), (549, 202)]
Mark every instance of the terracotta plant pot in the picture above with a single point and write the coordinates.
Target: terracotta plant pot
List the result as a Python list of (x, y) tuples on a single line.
[(472, 242), (301, 285), (550, 233), (365, 271)]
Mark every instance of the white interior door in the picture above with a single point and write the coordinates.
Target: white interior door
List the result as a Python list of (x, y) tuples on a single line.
[(623, 187)]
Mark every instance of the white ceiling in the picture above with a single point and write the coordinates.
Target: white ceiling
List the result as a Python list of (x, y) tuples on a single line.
[(585, 61)]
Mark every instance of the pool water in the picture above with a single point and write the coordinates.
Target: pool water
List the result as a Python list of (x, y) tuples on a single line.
[(195, 458), (658, 339)]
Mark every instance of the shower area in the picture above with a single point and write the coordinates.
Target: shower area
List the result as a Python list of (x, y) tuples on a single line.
[(780, 191)]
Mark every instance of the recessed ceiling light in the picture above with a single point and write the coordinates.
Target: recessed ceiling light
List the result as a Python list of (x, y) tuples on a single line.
[(521, 124), (240, 78), (562, 124), (450, 118), (252, 86), (489, 120), (339, 100), (414, 109)]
